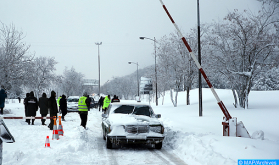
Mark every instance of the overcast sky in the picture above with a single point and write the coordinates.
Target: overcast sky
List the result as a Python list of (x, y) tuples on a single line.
[(69, 29)]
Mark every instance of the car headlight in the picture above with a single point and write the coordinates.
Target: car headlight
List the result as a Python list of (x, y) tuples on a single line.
[(157, 129)]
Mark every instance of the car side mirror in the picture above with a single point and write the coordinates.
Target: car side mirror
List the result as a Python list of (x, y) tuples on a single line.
[(104, 115), (158, 115)]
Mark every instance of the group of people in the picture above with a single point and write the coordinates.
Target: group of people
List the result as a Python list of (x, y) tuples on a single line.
[(51, 106), (105, 101), (46, 105)]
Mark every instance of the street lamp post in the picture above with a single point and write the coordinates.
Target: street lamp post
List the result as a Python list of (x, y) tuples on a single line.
[(100, 43), (142, 38), (137, 73), (199, 59)]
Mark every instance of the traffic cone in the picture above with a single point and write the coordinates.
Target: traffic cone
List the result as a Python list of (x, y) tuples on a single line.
[(60, 127), (55, 131), (47, 144)]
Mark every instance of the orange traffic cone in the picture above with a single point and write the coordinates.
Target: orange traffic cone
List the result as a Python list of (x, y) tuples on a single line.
[(55, 131), (60, 127), (47, 144)]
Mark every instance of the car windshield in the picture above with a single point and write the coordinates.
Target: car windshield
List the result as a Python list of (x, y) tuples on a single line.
[(142, 110), (133, 109), (73, 100), (124, 109)]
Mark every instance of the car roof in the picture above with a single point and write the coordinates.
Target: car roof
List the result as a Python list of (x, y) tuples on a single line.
[(129, 102)]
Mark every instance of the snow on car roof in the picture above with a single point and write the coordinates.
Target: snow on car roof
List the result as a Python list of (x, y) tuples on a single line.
[(129, 102)]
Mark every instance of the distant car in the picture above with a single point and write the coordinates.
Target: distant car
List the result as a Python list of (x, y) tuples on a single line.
[(132, 122), (72, 103), (93, 103)]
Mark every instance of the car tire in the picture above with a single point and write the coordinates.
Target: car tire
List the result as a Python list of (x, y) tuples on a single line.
[(109, 144), (159, 145)]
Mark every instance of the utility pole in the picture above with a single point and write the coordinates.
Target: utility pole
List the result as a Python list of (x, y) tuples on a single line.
[(199, 59)]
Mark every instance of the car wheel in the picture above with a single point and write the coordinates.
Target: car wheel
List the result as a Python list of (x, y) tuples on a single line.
[(109, 144), (159, 145)]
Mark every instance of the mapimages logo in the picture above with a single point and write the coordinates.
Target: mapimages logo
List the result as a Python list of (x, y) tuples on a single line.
[(258, 162)]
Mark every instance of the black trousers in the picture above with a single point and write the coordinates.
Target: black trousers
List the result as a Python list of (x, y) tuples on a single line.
[(83, 117), (43, 120), (2, 108), (52, 121)]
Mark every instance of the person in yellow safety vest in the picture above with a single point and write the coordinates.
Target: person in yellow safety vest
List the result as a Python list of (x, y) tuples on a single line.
[(59, 103), (106, 103), (83, 104)]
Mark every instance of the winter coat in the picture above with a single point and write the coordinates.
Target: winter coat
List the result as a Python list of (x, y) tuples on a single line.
[(3, 96), (101, 101), (52, 105), (63, 104), (115, 99), (32, 105), (25, 104), (43, 104)]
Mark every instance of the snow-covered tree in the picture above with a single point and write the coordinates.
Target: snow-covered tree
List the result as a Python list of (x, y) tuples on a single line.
[(41, 74), (243, 47), (14, 58), (176, 67), (72, 82)]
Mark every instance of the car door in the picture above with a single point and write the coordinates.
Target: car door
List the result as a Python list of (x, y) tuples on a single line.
[(105, 120)]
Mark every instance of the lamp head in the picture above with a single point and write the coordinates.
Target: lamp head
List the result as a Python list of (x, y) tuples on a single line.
[(129, 62), (142, 38)]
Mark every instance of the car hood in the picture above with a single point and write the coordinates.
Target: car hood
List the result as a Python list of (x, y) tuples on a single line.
[(72, 104), (130, 119)]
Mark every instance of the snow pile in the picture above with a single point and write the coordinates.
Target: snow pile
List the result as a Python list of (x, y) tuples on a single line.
[(258, 135)]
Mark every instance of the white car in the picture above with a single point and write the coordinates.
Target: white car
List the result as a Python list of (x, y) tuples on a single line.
[(72, 103), (132, 122)]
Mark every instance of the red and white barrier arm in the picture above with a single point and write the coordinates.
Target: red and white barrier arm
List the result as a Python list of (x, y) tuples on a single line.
[(220, 103), (26, 117)]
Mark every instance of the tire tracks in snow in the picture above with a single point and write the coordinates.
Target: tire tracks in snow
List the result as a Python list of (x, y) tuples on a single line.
[(172, 159)]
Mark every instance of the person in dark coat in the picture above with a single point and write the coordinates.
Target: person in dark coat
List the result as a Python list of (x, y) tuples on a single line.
[(43, 104), (53, 109), (63, 106), (101, 101), (3, 96), (89, 101), (115, 99), (32, 106), (25, 106), (18, 99)]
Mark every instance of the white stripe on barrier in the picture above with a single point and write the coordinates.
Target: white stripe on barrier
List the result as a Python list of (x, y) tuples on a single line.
[(195, 59), (215, 94)]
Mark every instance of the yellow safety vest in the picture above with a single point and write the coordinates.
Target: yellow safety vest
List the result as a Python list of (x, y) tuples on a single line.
[(81, 104), (106, 102), (58, 100)]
